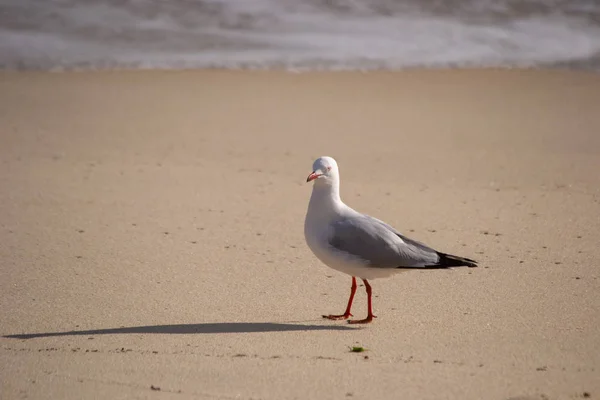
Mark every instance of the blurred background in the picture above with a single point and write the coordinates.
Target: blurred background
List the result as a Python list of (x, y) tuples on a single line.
[(298, 34)]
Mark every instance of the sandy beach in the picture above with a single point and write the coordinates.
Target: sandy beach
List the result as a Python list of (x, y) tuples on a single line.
[(151, 234)]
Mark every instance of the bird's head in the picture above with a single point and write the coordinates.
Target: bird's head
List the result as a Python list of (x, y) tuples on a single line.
[(325, 170)]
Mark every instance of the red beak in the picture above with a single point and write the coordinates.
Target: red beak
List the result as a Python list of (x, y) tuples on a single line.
[(313, 175)]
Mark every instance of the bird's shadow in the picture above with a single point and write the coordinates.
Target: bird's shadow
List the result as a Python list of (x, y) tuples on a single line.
[(222, 327)]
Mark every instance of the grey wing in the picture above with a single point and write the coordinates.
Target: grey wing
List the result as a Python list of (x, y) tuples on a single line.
[(405, 239), (379, 245)]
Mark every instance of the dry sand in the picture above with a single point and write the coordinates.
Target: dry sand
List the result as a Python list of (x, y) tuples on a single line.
[(151, 234)]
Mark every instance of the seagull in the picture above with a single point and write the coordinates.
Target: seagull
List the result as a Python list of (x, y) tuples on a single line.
[(360, 245)]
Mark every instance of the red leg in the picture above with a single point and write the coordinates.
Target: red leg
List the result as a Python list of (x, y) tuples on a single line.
[(370, 315), (347, 314)]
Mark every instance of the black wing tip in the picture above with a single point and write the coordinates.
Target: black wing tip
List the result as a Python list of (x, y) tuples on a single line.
[(448, 260)]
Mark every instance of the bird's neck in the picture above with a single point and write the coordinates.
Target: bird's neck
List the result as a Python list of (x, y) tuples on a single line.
[(325, 198)]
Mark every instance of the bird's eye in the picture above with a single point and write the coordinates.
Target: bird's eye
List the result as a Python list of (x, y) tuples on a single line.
[(329, 168)]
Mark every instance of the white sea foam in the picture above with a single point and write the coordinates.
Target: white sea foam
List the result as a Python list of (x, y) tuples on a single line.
[(309, 34)]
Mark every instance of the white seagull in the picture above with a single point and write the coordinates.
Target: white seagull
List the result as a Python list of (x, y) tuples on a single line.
[(357, 244)]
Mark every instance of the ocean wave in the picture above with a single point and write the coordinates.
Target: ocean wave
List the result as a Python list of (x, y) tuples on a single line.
[(306, 35)]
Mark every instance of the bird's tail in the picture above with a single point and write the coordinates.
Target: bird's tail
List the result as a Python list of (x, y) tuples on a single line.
[(448, 260)]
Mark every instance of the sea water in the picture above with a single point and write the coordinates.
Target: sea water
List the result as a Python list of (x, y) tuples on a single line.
[(298, 34)]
